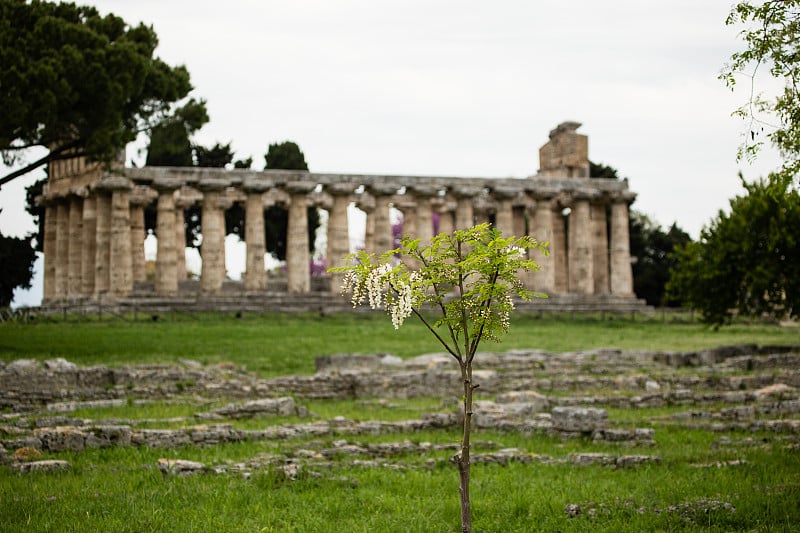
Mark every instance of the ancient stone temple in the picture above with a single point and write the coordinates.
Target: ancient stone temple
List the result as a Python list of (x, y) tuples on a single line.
[(95, 226)]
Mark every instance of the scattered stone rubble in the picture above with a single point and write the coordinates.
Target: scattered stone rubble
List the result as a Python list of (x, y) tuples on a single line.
[(747, 388)]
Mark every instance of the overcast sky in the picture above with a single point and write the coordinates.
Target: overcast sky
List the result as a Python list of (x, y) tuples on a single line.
[(464, 88)]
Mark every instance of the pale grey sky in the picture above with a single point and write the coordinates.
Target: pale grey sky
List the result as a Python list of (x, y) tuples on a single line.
[(464, 88)]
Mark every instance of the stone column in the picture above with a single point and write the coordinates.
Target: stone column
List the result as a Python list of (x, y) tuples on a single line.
[(504, 216), (297, 256), (255, 277), (338, 234), (423, 213), (102, 281), (465, 215), (600, 247), (581, 271), (384, 240), (166, 282), (621, 272), (544, 280), (213, 230), (50, 246), (139, 200), (558, 250), (89, 248), (62, 250), (121, 265), (74, 268), (446, 216), (181, 204)]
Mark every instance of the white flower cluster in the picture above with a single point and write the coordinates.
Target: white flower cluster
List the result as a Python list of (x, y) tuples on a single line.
[(403, 303), (375, 285), (351, 282)]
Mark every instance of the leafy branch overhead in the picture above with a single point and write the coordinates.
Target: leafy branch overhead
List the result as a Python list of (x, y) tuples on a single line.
[(78, 80), (772, 37)]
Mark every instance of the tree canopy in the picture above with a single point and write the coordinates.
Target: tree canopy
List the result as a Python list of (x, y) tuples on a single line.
[(652, 247), (78, 83), (746, 261), (16, 266), (285, 156), (772, 37), (169, 140)]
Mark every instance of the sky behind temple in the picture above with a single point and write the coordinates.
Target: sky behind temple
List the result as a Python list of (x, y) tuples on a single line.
[(463, 88)]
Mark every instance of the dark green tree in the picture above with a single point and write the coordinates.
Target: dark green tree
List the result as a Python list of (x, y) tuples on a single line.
[(243, 163), (746, 261), (78, 83), (651, 247), (16, 266), (599, 170), (35, 210), (170, 144), (217, 156), (285, 156)]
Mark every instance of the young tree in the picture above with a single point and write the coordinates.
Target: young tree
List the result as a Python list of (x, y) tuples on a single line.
[(772, 37), (468, 281), (78, 83), (746, 261)]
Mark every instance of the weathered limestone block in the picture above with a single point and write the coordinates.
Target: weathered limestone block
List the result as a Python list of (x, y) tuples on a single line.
[(51, 465), (180, 467), (265, 406), (107, 436), (579, 419), (61, 439), (338, 362), (538, 402), (160, 438)]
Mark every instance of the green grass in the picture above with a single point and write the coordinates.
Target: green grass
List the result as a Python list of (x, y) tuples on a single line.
[(287, 344), (121, 489)]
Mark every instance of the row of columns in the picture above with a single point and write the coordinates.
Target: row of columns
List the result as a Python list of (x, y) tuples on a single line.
[(94, 236)]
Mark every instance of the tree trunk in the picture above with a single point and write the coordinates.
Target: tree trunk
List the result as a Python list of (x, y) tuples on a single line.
[(463, 457)]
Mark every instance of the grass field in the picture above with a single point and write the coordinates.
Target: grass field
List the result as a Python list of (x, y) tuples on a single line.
[(287, 344), (699, 484)]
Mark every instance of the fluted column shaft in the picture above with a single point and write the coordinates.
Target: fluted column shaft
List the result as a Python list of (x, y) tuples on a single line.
[(621, 272), (62, 250), (581, 271), (465, 213), (558, 252), (297, 256), (102, 281), (89, 248), (255, 278), (50, 253), (423, 219), (600, 248), (504, 217), (137, 242), (338, 236), (74, 268), (543, 280), (121, 271), (166, 269), (213, 247)]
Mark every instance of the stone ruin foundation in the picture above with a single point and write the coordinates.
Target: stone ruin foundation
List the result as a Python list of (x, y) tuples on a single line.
[(743, 388)]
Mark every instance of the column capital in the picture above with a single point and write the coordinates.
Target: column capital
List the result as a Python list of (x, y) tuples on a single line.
[(623, 197), (424, 190), (465, 191), (300, 187), (382, 189), (167, 184), (213, 184), (142, 195), (340, 188), (113, 183)]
